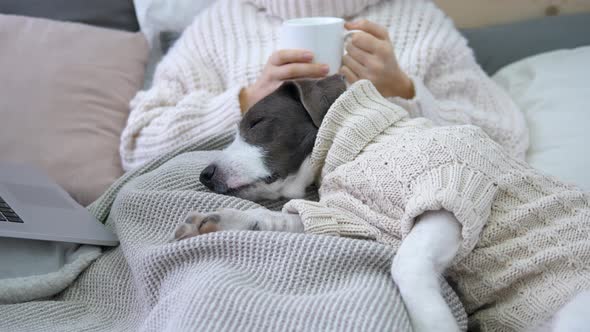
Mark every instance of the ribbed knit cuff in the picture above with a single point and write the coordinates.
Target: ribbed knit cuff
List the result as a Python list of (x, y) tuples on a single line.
[(423, 104), (466, 193), (224, 110), (316, 218), (320, 219)]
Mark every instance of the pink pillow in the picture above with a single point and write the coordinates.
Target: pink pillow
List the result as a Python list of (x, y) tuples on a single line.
[(64, 98)]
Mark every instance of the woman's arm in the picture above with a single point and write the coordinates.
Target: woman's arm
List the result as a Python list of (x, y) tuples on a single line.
[(454, 89), (187, 101), (190, 99)]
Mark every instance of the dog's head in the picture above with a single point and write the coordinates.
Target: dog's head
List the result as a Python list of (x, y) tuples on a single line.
[(269, 156)]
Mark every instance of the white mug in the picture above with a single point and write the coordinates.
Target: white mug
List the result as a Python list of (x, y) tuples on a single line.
[(324, 36)]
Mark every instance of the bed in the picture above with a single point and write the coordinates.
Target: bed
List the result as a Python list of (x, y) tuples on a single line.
[(98, 301)]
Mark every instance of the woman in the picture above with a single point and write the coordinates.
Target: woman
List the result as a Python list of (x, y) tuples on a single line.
[(227, 60)]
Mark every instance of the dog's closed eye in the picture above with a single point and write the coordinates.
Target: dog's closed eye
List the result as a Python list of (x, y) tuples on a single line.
[(255, 122)]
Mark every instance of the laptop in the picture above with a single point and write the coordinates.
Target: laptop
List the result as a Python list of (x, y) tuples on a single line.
[(34, 207)]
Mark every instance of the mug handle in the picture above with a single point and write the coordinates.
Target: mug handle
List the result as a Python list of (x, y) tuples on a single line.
[(346, 35)]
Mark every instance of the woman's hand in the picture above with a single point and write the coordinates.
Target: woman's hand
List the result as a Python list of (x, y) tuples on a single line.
[(282, 65), (370, 55)]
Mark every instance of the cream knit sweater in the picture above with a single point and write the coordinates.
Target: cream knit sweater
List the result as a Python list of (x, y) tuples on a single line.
[(526, 236), (196, 86)]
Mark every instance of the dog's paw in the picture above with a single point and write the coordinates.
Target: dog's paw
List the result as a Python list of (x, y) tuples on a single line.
[(197, 223)]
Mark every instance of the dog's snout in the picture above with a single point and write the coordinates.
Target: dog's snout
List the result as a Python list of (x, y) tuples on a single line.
[(207, 174)]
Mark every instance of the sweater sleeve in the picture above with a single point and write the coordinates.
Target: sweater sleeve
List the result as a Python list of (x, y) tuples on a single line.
[(455, 91), (188, 100), (319, 218), (466, 192)]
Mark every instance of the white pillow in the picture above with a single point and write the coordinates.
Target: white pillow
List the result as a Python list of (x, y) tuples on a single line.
[(553, 90), (155, 16)]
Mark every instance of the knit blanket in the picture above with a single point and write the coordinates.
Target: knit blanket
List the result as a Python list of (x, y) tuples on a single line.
[(227, 281)]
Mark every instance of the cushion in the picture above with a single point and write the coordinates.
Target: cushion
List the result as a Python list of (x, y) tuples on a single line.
[(167, 39), (64, 98), (156, 16), (116, 14), (552, 90), (498, 46)]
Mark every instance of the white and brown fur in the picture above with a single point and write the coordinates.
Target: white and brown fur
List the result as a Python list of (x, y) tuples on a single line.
[(269, 159)]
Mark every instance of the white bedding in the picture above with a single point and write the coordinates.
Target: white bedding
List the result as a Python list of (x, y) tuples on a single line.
[(553, 90), (156, 16)]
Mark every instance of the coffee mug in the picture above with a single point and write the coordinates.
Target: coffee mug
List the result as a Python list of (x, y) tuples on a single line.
[(324, 36)]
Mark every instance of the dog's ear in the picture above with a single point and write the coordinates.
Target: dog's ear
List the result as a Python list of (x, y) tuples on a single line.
[(318, 95)]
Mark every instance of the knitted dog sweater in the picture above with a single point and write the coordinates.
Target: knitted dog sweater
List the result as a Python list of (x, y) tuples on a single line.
[(526, 247)]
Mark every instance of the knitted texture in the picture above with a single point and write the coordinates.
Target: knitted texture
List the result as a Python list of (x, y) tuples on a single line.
[(76, 259), (288, 9), (195, 92), (526, 236), (227, 281)]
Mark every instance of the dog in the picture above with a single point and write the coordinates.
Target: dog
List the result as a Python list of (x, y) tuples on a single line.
[(270, 158)]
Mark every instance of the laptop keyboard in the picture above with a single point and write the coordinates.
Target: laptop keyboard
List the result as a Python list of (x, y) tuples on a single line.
[(7, 213)]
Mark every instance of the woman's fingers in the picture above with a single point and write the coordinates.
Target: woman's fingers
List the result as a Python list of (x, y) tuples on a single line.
[(293, 64), (282, 57), (362, 57), (365, 42), (350, 76), (353, 65), (372, 28), (300, 70)]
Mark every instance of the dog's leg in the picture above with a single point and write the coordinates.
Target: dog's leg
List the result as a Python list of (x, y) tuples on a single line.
[(424, 255), (231, 219)]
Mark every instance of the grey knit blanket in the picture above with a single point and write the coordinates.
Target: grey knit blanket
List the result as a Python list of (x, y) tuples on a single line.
[(227, 281)]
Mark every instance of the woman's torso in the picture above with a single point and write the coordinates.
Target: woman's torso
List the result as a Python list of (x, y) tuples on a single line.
[(236, 38)]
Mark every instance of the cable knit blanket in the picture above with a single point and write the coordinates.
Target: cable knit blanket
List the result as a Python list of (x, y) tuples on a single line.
[(228, 281)]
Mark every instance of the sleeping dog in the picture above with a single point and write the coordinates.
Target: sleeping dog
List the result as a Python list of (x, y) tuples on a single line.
[(272, 157)]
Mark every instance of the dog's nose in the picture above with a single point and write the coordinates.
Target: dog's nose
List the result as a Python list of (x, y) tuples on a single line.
[(206, 177)]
